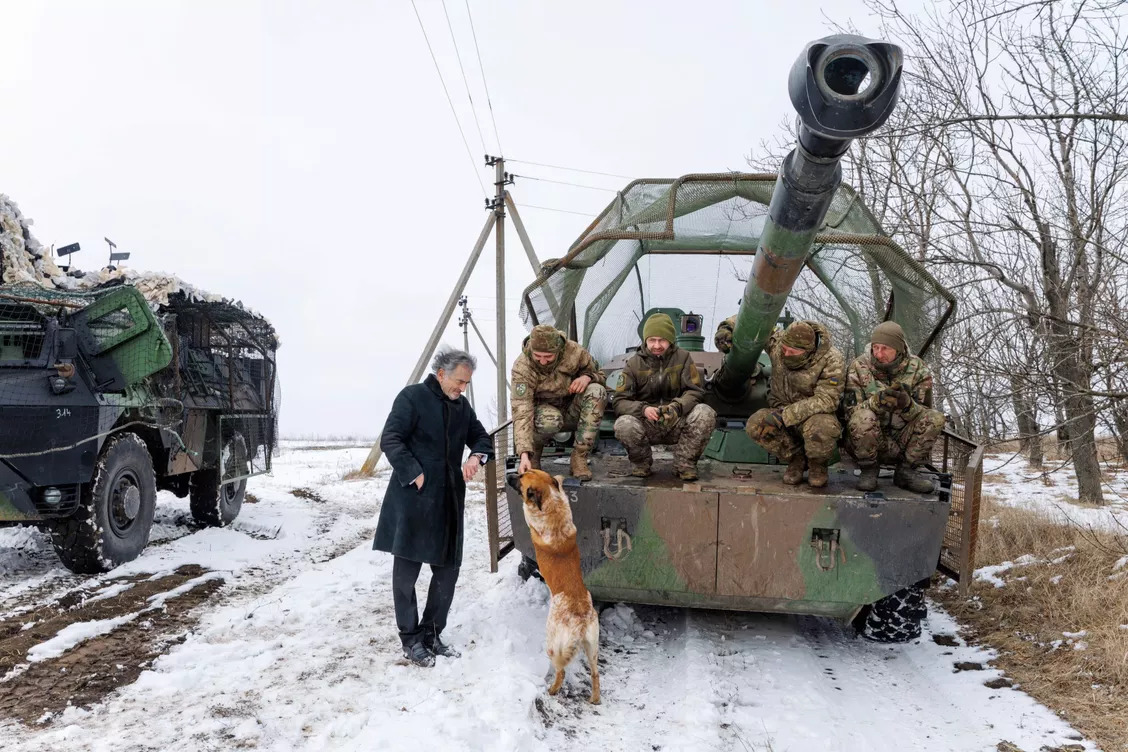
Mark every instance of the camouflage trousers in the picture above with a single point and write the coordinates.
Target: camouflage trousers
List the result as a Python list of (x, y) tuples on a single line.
[(689, 435), (582, 414), (912, 444), (816, 437)]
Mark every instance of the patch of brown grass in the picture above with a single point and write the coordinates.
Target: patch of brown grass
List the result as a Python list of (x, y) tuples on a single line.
[(1073, 590)]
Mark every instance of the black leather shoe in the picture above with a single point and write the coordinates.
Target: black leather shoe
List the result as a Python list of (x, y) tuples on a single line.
[(418, 654), (438, 647)]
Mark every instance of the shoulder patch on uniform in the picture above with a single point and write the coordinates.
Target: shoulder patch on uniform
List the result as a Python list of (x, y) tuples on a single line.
[(520, 389)]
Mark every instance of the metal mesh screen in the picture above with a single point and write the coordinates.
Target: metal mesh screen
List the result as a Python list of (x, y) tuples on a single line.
[(964, 460), (498, 522), (248, 442), (689, 243)]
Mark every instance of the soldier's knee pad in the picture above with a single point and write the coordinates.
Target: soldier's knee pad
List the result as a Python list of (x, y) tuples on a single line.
[(863, 421), (821, 427), (627, 427), (932, 423), (548, 419), (702, 415)]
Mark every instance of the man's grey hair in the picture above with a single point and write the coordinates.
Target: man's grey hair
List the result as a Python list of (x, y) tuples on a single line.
[(447, 359)]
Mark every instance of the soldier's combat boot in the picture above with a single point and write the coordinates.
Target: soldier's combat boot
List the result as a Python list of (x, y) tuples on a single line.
[(793, 475), (640, 469), (816, 473), (686, 472), (867, 481), (580, 469), (906, 477)]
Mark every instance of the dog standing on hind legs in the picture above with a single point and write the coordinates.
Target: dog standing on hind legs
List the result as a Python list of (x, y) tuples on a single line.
[(573, 623)]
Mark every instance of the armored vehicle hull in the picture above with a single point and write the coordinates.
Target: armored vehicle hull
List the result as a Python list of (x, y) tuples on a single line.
[(738, 538)]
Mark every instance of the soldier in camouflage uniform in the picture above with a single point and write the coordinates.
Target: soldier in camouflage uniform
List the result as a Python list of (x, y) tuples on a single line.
[(658, 401), (800, 426), (889, 411), (557, 386)]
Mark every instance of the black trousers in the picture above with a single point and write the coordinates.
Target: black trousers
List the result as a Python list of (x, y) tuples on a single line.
[(440, 595)]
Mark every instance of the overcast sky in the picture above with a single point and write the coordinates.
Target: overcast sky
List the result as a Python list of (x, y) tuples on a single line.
[(302, 157)]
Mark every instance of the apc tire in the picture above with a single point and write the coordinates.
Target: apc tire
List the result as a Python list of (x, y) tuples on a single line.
[(528, 568), (894, 618), (112, 523), (212, 502)]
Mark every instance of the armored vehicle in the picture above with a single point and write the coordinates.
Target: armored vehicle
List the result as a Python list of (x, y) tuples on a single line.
[(106, 399), (798, 244)]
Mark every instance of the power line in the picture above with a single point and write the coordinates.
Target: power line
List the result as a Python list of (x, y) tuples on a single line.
[(565, 182), (562, 211), (497, 136), (473, 162), (571, 169), (465, 82)]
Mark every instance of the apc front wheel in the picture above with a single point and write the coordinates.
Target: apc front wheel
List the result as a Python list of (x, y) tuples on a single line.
[(111, 525)]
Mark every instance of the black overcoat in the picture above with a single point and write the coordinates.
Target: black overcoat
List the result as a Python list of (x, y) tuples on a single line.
[(425, 433)]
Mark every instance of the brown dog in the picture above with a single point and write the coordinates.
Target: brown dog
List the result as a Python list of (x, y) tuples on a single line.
[(572, 620)]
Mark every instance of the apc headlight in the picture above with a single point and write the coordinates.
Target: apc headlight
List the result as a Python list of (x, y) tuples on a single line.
[(52, 496)]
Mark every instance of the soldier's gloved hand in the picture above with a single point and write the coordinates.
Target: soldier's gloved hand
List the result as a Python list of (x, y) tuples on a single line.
[(668, 414), (723, 340), (895, 398), (772, 424)]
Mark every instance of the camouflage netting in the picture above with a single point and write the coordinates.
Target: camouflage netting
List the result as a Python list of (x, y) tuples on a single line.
[(688, 243)]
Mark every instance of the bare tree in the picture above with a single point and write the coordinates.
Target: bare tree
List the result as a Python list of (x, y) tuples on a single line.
[(995, 173)]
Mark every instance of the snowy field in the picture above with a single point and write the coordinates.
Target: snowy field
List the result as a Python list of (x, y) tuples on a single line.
[(278, 634)]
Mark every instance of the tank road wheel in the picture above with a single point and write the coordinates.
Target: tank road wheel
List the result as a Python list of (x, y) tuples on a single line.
[(111, 525), (528, 568), (212, 502), (894, 618)]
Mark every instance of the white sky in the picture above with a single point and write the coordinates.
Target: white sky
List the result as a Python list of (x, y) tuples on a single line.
[(301, 156)]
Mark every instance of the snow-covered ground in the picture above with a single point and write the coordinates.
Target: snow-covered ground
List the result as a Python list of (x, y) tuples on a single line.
[(299, 652), (1010, 481)]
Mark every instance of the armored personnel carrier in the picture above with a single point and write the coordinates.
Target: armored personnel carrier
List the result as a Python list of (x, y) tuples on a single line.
[(798, 244), (106, 398)]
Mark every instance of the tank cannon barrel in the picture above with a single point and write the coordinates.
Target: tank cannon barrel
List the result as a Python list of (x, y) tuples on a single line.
[(843, 87)]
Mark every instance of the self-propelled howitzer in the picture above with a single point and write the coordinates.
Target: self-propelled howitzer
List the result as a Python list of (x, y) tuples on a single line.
[(738, 537)]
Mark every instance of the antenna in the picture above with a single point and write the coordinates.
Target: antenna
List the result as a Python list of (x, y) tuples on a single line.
[(114, 255)]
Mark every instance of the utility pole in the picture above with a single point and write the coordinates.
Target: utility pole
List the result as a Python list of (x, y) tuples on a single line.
[(501, 179), (464, 322), (495, 222)]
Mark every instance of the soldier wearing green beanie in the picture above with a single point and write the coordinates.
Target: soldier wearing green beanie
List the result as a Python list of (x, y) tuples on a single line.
[(799, 426), (658, 401), (889, 412), (557, 386)]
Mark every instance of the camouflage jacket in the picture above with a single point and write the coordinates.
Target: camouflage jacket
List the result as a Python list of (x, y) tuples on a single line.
[(650, 381), (533, 384), (864, 381), (814, 388)]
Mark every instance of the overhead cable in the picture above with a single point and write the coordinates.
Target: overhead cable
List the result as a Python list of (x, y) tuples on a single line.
[(473, 162), (482, 69)]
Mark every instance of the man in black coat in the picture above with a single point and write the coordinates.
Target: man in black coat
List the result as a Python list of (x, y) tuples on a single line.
[(421, 520)]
